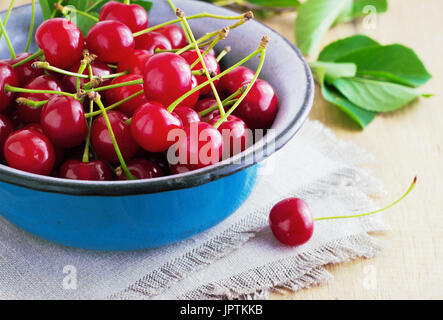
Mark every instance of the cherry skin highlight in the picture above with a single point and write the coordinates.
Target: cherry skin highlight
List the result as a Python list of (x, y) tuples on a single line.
[(152, 41), (95, 170), (291, 222), (211, 64), (235, 135), (102, 142), (167, 77), (6, 129), (132, 15), (234, 79), (142, 169), (118, 94), (30, 114), (111, 41), (99, 69), (175, 35), (25, 73), (63, 121), (203, 146), (7, 76), (30, 151), (135, 63), (260, 106), (61, 41), (151, 125)]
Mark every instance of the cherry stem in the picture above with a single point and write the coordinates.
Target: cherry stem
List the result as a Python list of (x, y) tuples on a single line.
[(374, 212), (228, 101), (117, 85), (181, 15), (8, 13), (31, 27), (115, 105), (174, 8), (9, 88), (263, 45), (66, 10), (223, 53), (95, 5), (85, 157), (30, 103), (8, 41), (127, 1), (54, 12), (97, 99), (31, 57), (223, 34), (197, 16), (204, 84)]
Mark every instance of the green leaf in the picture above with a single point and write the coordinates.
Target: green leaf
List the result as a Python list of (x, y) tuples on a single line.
[(360, 6), (333, 70), (85, 23), (375, 95), (47, 7), (314, 18), (395, 63), (275, 3), (360, 116), (343, 47)]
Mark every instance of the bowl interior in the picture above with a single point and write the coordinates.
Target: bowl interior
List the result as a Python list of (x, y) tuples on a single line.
[(285, 68)]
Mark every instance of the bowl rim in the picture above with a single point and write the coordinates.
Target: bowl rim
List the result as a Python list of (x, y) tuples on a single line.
[(174, 182)]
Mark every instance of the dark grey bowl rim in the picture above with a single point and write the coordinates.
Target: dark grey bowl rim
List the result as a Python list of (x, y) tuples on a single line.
[(168, 183)]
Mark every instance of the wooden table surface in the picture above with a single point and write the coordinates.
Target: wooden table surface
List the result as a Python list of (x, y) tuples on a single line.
[(405, 143)]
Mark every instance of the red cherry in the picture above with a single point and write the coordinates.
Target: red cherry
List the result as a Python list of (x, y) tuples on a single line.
[(152, 41), (151, 125), (118, 94), (7, 76), (135, 63), (111, 41), (202, 146), (175, 35), (232, 81), (235, 135), (159, 158), (12, 114), (187, 115), (95, 170), (6, 128), (180, 168), (35, 126), (205, 104), (192, 100), (167, 77), (291, 222), (102, 142), (260, 106), (132, 15), (210, 62), (99, 69), (25, 72), (61, 41), (30, 151), (63, 121), (142, 169), (30, 114)]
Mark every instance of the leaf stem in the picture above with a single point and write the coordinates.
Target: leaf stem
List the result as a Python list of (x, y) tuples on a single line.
[(182, 16), (373, 212), (97, 99), (8, 41)]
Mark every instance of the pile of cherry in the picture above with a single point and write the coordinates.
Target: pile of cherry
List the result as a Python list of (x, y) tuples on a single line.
[(135, 88)]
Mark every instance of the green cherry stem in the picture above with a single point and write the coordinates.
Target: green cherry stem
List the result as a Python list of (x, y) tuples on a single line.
[(115, 105), (8, 13), (95, 5), (31, 103), (182, 16), (66, 10), (113, 86), (204, 84), (127, 1), (222, 54), (9, 88), (174, 8), (97, 99), (31, 27), (228, 101), (373, 212), (223, 34), (85, 157), (8, 41), (31, 57), (263, 45)]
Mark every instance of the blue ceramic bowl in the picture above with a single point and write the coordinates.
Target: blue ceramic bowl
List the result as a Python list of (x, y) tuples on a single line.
[(129, 215)]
